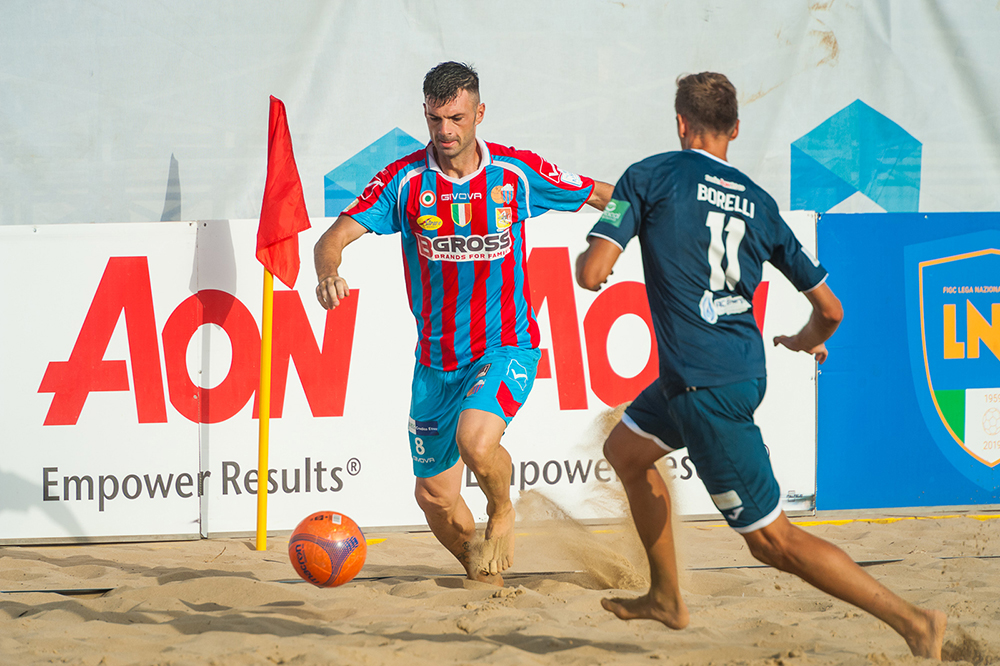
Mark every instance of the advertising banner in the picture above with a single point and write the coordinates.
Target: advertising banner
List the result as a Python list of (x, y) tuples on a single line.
[(910, 397), (130, 383)]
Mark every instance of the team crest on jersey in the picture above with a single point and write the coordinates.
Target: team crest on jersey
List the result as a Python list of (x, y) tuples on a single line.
[(429, 222), (505, 218), (426, 198), (953, 326), (502, 194), (461, 214)]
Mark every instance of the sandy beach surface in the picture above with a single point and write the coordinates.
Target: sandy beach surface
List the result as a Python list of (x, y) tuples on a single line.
[(220, 601)]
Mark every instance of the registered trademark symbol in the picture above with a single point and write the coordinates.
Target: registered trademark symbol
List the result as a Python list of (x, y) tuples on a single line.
[(353, 466)]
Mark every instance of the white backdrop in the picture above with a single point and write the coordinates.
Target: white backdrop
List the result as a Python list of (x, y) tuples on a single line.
[(138, 110), (145, 440)]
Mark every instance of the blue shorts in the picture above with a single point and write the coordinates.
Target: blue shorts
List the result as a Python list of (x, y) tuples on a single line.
[(716, 425), (498, 382)]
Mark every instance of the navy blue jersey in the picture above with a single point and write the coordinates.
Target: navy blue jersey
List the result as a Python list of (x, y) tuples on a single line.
[(705, 229)]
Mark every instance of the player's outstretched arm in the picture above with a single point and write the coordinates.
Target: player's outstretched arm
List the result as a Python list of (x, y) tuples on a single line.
[(594, 265), (601, 195), (327, 256), (825, 318)]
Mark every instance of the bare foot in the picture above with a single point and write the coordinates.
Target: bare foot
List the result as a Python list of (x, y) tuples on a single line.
[(498, 549), (472, 558), (674, 616), (925, 640)]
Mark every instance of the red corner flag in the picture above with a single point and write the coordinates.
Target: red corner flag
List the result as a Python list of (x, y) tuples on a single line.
[(283, 213)]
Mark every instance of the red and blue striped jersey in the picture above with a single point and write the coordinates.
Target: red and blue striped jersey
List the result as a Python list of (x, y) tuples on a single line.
[(463, 245)]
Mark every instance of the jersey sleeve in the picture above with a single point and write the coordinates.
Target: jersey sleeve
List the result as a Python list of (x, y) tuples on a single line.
[(376, 208), (549, 187), (621, 217), (794, 261)]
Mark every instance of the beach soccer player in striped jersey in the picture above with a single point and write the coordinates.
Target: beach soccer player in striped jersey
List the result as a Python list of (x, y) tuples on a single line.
[(705, 229), (460, 207)]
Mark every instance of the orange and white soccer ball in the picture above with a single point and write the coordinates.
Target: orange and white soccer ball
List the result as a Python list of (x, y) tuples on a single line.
[(327, 549)]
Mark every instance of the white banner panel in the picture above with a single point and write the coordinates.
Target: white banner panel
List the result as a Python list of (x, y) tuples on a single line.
[(90, 444), (132, 404)]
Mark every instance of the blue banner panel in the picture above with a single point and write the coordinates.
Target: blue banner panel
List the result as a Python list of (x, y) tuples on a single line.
[(909, 399)]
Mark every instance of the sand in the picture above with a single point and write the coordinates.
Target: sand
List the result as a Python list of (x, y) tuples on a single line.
[(219, 601)]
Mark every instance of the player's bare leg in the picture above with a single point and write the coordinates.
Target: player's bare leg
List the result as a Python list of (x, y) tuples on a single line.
[(633, 458), (825, 566), (478, 437), (450, 519)]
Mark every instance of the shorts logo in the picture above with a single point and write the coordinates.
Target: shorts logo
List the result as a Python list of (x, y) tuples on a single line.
[(614, 212), (423, 428), (429, 222), (475, 388), (729, 500), (504, 218), (426, 198), (461, 214), (502, 194), (483, 370), (517, 373)]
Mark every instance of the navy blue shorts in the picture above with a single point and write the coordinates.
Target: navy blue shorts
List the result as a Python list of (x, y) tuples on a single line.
[(499, 382), (716, 425)]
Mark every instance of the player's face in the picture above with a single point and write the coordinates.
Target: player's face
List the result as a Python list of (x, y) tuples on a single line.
[(452, 125)]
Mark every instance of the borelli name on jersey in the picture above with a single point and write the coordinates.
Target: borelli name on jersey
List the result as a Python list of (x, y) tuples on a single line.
[(725, 200), (465, 248)]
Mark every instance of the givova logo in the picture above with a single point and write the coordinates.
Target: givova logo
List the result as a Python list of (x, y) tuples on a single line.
[(953, 313)]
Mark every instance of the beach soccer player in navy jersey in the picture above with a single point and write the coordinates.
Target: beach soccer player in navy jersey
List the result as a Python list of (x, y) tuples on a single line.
[(459, 206), (704, 230)]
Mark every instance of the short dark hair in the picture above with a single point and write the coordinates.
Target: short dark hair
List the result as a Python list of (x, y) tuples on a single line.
[(443, 83), (707, 101)]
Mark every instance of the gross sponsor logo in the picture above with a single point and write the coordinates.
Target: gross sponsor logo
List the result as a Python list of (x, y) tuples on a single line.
[(429, 222), (502, 194), (426, 198), (505, 218), (465, 248)]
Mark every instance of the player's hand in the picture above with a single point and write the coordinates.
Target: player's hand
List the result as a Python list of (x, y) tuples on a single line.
[(330, 290), (819, 351)]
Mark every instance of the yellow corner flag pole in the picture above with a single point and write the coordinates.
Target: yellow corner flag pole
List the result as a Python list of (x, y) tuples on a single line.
[(265, 409)]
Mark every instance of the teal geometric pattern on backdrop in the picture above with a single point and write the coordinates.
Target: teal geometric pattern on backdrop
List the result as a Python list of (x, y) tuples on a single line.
[(348, 180), (856, 150)]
